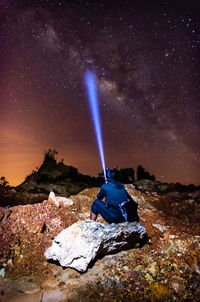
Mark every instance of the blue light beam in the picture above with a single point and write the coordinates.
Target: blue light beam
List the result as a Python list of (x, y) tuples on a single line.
[(90, 81)]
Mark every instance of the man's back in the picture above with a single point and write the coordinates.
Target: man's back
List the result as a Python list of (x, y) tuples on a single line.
[(114, 192)]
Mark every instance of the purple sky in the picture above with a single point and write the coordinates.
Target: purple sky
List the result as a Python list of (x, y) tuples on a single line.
[(146, 58)]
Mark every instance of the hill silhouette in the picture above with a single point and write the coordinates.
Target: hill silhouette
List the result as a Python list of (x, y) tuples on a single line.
[(53, 176), (65, 180)]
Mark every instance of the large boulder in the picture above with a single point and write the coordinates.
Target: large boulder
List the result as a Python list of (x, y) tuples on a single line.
[(79, 244)]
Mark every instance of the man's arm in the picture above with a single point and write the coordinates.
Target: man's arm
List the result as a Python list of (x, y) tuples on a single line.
[(101, 194)]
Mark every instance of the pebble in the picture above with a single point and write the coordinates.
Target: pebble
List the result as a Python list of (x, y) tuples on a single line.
[(9, 262), (126, 268), (2, 272), (153, 269), (149, 278), (112, 262), (139, 268), (194, 283), (178, 285)]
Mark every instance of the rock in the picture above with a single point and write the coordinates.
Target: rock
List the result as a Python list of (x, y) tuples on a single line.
[(68, 274), (59, 201), (28, 287), (129, 275), (79, 244), (54, 269), (33, 290), (194, 283), (51, 176), (37, 297), (139, 269), (9, 262), (2, 272), (149, 278), (158, 291), (178, 285), (151, 186), (130, 186), (153, 269), (58, 296), (50, 283)]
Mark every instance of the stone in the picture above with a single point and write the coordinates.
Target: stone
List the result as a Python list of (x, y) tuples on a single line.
[(68, 274), (57, 295), (153, 269), (28, 287), (178, 285), (50, 283), (149, 278), (158, 292), (130, 186), (59, 201), (55, 269), (2, 272), (37, 297), (79, 244), (9, 262)]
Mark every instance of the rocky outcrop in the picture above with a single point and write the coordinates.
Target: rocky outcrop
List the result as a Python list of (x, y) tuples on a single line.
[(26, 231), (51, 176), (78, 245), (165, 269), (147, 185)]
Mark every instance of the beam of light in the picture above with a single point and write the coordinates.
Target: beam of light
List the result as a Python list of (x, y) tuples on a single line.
[(90, 81)]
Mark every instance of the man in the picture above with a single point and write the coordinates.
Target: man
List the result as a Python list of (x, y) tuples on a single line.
[(114, 193)]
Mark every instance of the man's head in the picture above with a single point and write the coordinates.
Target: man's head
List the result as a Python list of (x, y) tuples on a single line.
[(110, 175)]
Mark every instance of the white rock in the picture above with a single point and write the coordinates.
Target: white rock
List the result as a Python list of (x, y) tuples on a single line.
[(52, 198), (59, 201), (63, 201), (79, 244)]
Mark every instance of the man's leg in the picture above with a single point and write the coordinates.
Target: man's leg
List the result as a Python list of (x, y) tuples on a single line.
[(100, 207), (93, 216)]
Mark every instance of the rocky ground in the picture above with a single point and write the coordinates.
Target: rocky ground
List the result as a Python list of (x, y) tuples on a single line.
[(165, 269)]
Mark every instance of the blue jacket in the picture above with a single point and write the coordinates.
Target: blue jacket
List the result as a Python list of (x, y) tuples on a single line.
[(114, 193)]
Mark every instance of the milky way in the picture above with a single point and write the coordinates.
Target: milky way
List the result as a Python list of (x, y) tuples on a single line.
[(146, 58)]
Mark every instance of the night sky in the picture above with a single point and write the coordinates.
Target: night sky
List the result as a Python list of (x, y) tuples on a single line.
[(146, 57)]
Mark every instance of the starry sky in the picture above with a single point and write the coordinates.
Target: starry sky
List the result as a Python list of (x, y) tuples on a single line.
[(145, 55)]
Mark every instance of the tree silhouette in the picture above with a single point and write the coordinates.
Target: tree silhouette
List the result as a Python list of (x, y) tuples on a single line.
[(50, 154), (143, 174), (3, 182), (126, 175)]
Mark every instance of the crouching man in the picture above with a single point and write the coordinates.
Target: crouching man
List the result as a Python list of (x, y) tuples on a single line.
[(118, 206)]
